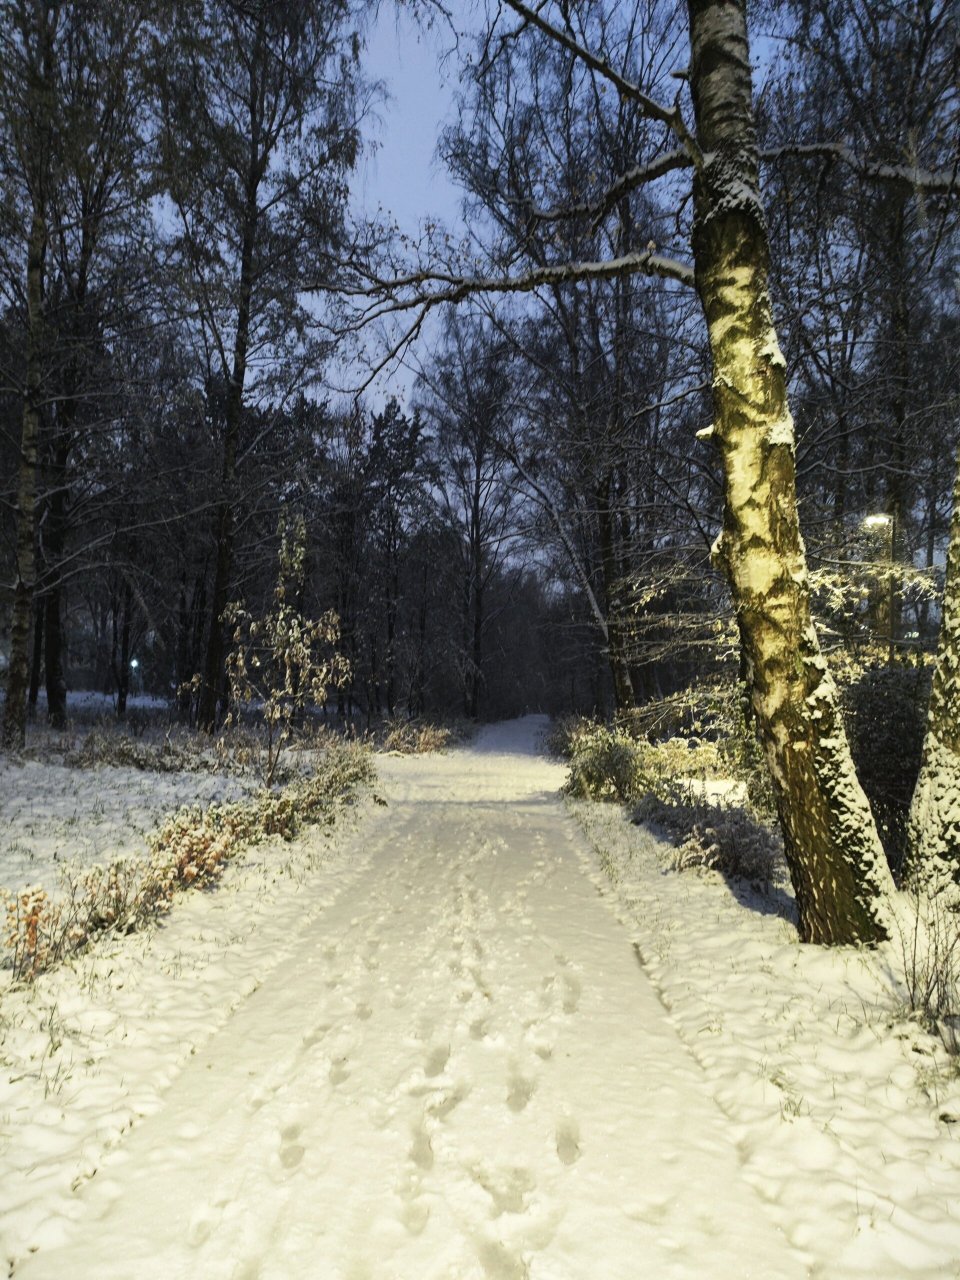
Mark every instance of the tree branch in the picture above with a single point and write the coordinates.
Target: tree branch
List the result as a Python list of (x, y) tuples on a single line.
[(636, 177), (672, 117), (387, 295), (943, 182)]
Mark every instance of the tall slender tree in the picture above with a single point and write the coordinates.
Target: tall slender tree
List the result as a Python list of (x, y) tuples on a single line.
[(29, 113), (260, 114)]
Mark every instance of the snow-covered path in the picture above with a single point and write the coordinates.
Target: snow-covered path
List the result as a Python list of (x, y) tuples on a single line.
[(458, 1072)]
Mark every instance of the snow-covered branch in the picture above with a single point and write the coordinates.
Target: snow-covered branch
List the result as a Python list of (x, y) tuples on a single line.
[(939, 182), (422, 290)]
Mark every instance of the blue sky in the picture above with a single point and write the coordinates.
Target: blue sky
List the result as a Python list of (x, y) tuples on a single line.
[(399, 170)]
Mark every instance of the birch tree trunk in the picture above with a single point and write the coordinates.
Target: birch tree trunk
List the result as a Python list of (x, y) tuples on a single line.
[(836, 862), (933, 832), (18, 672)]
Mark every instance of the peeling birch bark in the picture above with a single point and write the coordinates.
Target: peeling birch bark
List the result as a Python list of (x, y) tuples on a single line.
[(839, 872)]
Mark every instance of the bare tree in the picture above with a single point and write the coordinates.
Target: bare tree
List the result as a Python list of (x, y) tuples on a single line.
[(260, 131)]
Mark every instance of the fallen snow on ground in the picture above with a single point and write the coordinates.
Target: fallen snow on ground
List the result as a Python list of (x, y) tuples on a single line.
[(846, 1117), (426, 1051), (50, 813)]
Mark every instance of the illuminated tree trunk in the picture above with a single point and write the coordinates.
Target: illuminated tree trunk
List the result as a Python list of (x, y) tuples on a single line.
[(933, 837), (18, 671), (836, 862)]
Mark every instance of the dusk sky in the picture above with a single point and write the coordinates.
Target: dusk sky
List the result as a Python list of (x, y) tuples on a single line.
[(399, 169)]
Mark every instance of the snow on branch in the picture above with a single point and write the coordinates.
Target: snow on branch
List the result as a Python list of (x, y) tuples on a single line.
[(672, 117), (425, 289), (417, 293), (941, 182)]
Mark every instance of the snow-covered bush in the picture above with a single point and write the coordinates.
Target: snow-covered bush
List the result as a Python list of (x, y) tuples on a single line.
[(416, 737), (283, 662), (731, 841), (564, 733), (605, 764), (112, 746), (711, 718), (609, 763), (190, 849)]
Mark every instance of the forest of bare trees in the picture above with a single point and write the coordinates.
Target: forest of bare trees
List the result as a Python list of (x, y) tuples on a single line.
[(686, 410)]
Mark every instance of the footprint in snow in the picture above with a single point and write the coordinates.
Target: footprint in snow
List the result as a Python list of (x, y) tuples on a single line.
[(568, 1140), (421, 1152), (535, 1039), (520, 1090), (291, 1152), (436, 1061), (571, 993), (508, 1188), (414, 1216), (315, 1035), (338, 1071), (499, 1263), (446, 1101)]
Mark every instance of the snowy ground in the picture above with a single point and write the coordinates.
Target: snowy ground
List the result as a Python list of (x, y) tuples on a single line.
[(426, 1051), (50, 813)]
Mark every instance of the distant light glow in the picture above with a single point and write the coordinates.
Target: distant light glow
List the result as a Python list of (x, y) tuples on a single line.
[(134, 663), (877, 522)]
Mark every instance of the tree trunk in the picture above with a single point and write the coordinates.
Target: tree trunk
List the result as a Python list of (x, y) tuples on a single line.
[(37, 662), (624, 694), (933, 832), (123, 671), (18, 672), (840, 877), (213, 689), (55, 538), (54, 678)]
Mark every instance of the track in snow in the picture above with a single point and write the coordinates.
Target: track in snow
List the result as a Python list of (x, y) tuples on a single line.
[(460, 1073)]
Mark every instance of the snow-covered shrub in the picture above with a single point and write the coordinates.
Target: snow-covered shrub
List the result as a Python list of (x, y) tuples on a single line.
[(712, 719), (734, 843), (190, 849), (605, 764), (416, 737), (283, 662), (564, 733), (608, 762), (725, 838), (175, 753), (885, 709), (41, 929)]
